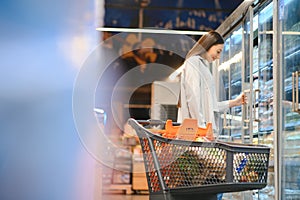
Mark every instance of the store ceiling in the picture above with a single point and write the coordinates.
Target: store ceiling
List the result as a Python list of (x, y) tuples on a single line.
[(169, 14)]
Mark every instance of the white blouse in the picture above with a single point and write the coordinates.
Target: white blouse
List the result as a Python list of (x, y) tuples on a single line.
[(198, 94)]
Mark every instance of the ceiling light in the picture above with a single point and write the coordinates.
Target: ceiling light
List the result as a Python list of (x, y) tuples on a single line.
[(148, 30)]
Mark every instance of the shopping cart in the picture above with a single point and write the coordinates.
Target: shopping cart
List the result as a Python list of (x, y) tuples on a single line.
[(180, 169)]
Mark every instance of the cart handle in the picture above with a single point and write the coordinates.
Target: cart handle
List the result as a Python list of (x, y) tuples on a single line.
[(156, 122)]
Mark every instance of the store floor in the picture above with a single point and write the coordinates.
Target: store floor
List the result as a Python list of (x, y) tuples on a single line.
[(125, 197), (226, 196)]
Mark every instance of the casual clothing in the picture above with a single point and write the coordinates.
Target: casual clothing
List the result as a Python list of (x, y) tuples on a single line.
[(198, 98)]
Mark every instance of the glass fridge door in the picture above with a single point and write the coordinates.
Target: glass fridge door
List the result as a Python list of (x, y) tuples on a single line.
[(250, 60), (289, 16), (263, 119), (264, 97), (230, 71)]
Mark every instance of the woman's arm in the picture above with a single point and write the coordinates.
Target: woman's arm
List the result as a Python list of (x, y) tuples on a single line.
[(239, 100)]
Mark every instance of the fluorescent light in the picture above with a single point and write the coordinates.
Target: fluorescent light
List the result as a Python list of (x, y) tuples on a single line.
[(235, 59), (99, 110), (146, 30)]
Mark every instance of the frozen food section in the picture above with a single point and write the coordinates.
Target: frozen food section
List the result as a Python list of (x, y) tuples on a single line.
[(290, 59), (261, 57)]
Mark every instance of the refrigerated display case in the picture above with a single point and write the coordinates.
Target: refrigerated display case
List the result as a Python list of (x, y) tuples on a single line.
[(289, 59), (268, 72)]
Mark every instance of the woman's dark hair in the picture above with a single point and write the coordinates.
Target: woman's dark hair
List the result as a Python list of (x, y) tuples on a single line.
[(205, 43)]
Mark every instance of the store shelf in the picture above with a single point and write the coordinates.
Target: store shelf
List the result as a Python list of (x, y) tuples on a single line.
[(112, 188), (139, 179)]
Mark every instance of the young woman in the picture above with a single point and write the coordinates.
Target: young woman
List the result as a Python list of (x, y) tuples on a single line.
[(198, 98)]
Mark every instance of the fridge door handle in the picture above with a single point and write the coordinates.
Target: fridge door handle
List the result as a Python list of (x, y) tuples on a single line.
[(295, 91), (225, 126), (256, 94), (246, 107)]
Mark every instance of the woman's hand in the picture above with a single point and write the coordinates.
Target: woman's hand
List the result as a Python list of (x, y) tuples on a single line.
[(239, 100)]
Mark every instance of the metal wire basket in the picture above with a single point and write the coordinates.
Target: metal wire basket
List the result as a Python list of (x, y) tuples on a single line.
[(180, 169)]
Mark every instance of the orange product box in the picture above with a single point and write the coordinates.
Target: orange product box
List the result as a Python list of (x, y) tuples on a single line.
[(188, 130)]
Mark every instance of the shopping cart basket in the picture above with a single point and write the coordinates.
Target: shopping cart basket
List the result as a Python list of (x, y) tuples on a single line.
[(181, 169)]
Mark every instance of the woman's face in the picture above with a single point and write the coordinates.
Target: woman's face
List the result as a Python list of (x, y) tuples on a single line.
[(214, 52)]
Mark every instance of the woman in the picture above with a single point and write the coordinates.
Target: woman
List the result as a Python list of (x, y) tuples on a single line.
[(198, 98)]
